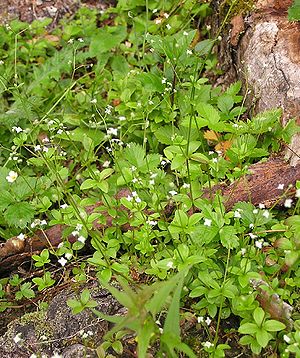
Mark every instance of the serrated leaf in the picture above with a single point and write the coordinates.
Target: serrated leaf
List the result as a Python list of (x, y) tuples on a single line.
[(19, 214)]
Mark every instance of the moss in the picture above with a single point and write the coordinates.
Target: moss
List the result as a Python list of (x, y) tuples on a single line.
[(238, 7), (37, 319)]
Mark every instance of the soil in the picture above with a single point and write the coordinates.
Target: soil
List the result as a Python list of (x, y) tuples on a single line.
[(30, 10)]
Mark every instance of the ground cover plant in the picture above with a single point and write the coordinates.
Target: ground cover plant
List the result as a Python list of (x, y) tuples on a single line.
[(115, 111)]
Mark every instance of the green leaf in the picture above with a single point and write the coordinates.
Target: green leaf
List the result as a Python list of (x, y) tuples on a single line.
[(228, 237), (294, 11), (248, 328), (204, 47), (19, 214), (258, 315), (274, 326), (263, 337), (107, 38)]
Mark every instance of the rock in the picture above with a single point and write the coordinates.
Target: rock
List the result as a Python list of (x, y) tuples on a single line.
[(57, 330)]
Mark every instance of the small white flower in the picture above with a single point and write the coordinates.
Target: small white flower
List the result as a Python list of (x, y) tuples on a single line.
[(138, 200), (255, 211), (37, 148), (150, 102), (12, 176), (185, 33), (81, 239), (207, 222), (286, 338), (1, 62), (158, 21), (280, 186), (61, 244), (243, 251), (79, 227), (208, 27), (161, 330), (129, 198), (251, 226), (56, 355), (68, 256), (200, 319), (154, 11), (80, 39), (297, 195), (215, 160), (186, 185), (112, 131), (164, 80), (21, 237), (60, 131), (266, 214), (75, 233), (252, 236), (189, 52), (259, 244), (168, 26), (64, 206), (288, 203), (207, 344), (220, 38), (170, 264), (106, 164), (237, 214), (62, 261), (94, 101), (166, 15), (17, 338), (122, 118), (33, 355), (151, 182), (70, 41), (134, 180), (108, 110), (261, 206), (151, 222), (17, 129), (208, 321), (172, 192), (133, 168)]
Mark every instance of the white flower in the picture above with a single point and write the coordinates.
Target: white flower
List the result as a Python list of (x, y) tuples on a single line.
[(62, 261), (280, 186), (75, 233), (161, 330), (208, 321), (170, 264), (266, 214), (261, 206), (61, 244), (138, 200), (172, 192), (129, 198), (185, 33), (64, 206), (158, 21), (200, 319), (207, 222), (17, 338), (112, 131), (164, 80), (43, 222), (108, 109), (151, 182), (122, 118), (106, 164), (259, 244), (154, 11), (151, 222), (21, 237), (168, 26), (252, 236), (215, 160), (286, 338), (189, 52), (134, 180), (211, 152), (297, 193), (56, 355), (243, 251), (33, 355), (133, 168), (220, 38), (186, 185), (207, 344), (17, 129), (12, 176), (68, 256), (237, 214), (1, 62), (37, 148), (255, 211), (94, 101), (166, 15), (288, 203), (81, 239), (79, 227), (70, 41), (80, 39), (208, 27)]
